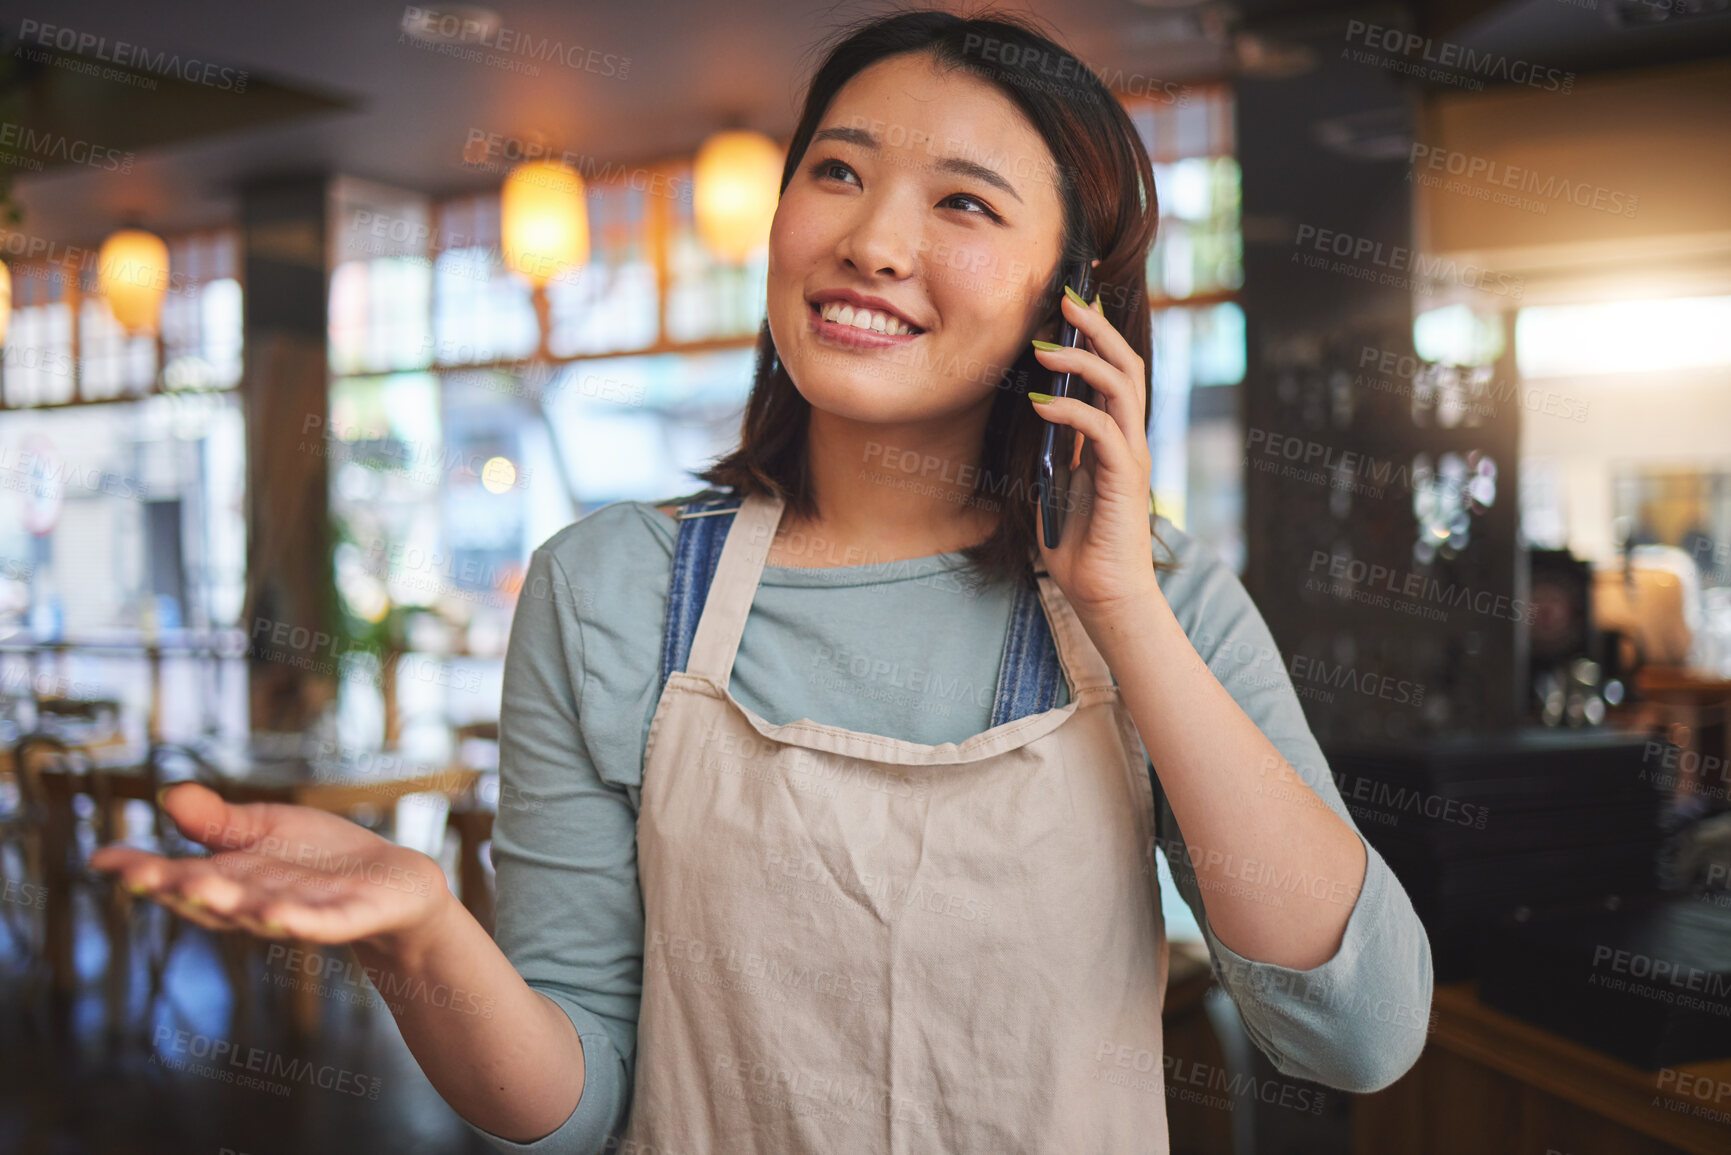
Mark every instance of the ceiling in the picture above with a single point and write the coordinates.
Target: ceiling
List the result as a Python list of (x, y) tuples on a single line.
[(338, 86)]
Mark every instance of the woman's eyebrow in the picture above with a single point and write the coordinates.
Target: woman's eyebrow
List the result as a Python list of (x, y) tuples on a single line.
[(953, 164)]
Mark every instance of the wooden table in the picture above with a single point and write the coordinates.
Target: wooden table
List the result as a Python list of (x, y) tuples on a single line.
[(60, 785), (1489, 1083)]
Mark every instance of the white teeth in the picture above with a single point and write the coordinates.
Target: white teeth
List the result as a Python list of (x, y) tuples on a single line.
[(845, 314)]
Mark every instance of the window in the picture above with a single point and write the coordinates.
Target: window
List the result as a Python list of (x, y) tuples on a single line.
[(611, 304), (124, 516), (481, 311), (454, 452), (706, 298), (1195, 270), (39, 365), (64, 347), (1623, 337), (123, 455), (379, 314), (201, 318), (111, 362)]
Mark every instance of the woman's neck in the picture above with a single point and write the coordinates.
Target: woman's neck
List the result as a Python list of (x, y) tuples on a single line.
[(889, 493)]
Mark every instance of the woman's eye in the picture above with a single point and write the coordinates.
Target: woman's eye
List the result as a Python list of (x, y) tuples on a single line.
[(832, 169), (826, 169), (973, 200)]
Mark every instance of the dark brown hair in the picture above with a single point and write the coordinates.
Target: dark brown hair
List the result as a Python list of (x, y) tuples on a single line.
[(1106, 186)]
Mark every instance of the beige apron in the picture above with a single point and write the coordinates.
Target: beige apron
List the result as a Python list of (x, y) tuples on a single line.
[(856, 943)]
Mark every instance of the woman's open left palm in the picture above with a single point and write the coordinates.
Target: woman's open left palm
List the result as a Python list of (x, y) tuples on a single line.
[(281, 871)]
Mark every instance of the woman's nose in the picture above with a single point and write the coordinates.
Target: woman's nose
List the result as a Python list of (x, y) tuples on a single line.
[(883, 240)]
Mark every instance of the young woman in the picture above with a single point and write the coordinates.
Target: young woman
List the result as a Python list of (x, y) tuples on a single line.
[(832, 792)]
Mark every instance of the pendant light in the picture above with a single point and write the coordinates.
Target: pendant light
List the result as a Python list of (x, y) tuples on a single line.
[(544, 220), (736, 180), (133, 271), (544, 230)]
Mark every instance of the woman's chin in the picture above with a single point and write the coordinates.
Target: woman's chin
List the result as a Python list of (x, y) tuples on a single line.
[(872, 399)]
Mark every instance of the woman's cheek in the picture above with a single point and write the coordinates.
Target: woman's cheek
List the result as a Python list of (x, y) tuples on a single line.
[(964, 265)]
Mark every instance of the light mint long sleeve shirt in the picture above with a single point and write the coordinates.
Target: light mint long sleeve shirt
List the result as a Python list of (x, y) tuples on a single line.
[(902, 648)]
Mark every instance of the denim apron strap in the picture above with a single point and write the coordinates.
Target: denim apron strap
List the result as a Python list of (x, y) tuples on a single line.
[(1028, 676)]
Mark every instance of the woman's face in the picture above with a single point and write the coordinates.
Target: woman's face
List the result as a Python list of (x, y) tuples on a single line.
[(929, 192)]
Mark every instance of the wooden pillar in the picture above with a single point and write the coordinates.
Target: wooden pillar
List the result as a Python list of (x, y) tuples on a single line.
[(284, 389)]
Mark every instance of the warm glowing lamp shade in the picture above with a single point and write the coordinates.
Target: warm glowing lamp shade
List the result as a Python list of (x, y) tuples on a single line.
[(544, 220), (5, 300), (736, 181), (134, 274)]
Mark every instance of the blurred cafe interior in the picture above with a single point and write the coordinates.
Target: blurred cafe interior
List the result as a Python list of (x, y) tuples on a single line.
[(1441, 310)]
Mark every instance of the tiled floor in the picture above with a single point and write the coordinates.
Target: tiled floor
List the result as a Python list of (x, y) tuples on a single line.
[(179, 1082)]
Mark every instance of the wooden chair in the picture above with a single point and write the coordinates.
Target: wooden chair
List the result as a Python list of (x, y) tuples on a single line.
[(22, 823), (472, 821), (134, 921)]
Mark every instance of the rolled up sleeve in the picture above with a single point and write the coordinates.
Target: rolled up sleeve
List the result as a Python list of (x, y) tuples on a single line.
[(1360, 1020), (1357, 1022)]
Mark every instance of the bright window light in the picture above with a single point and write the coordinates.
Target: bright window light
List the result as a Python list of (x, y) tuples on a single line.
[(1623, 337), (1455, 335)]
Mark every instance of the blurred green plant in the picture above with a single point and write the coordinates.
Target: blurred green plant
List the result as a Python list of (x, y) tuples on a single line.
[(356, 632)]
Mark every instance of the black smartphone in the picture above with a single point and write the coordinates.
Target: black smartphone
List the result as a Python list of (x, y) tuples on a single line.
[(1058, 442)]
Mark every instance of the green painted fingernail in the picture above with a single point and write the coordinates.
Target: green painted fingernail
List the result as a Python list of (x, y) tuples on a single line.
[(1041, 398), (1075, 296), (1047, 345)]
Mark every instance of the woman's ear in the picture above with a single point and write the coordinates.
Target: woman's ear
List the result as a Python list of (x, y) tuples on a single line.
[(1052, 326)]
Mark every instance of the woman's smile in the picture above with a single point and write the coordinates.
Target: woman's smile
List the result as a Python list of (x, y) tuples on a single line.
[(847, 325)]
